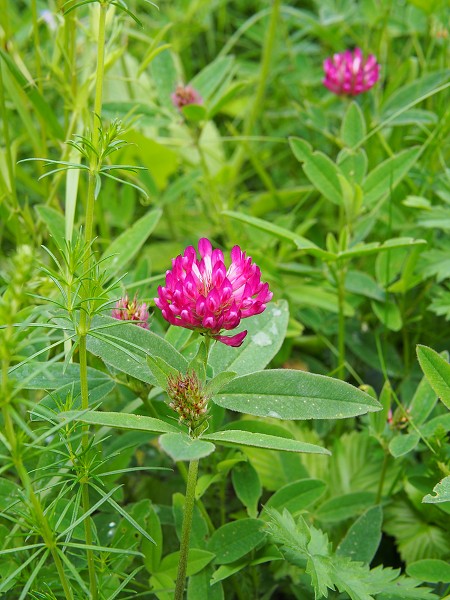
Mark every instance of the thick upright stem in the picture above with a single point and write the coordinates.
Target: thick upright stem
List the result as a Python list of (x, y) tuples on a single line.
[(186, 529), (9, 160), (84, 324)]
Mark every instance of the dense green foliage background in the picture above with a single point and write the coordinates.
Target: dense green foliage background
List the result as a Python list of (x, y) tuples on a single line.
[(345, 206)]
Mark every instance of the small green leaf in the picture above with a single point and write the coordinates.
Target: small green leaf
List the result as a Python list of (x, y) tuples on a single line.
[(431, 570), (296, 496), (124, 248), (265, 335), (290, 394), (389, 314), (344, 507), (279, 232), (320, 170), (55, 222), (194, 112), (152, 552), (218, 382), (363, 538), (179, 446), (386, 176), (247, 486), (197, 560), (442, 491), (160, 370), (236, 539), (353, 128), (209, 79), (125, 346), (437, 371), (401, 444)]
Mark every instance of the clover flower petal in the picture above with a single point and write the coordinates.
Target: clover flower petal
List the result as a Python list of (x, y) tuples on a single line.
[(203, 295)]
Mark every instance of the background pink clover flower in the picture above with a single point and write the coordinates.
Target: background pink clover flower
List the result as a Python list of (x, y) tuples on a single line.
[(349, 73), (131, 311)]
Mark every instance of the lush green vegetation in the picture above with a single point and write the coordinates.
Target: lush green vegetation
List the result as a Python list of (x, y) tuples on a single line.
[(310, 461)]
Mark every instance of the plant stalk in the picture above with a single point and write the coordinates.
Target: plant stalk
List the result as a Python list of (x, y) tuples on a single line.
[(257, 105), (42, 521), (340, 373), (8, 156), (382, 477), (84, 324), (186, 529)]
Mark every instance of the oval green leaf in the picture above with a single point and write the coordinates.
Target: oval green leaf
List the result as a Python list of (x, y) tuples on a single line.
[(363, 538), (261, 440), (289, 394), (437, 371), (431, 570), (265, 335), (296, 496), (121, 421), (235, 539)]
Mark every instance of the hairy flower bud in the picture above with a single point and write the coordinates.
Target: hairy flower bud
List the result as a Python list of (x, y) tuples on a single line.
[(188, 400)]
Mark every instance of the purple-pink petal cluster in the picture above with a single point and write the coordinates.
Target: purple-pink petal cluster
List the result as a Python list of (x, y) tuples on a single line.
[(349, 73), (184, 95), (206, 296), (131, 311)]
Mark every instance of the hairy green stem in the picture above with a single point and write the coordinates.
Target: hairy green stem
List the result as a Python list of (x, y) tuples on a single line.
[(37, 54), (186, 529), (340, 372), (382, 477), (8, 156), (84, 324)]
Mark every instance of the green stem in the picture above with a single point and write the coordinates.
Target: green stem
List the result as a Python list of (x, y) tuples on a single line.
[(257, 105), (84, 483), (84, 324), (95, 160), (37, 54), (43, 525), (200, 505), (186, 529), (9, 160), (382, 477), (341, 323)]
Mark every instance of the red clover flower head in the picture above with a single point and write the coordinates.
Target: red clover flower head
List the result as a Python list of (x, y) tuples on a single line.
[(131, 311), (184, 95), (349, 73), (206, 296)]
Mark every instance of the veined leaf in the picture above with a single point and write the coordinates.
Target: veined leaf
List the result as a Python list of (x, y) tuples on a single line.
[(260, 440), (122, 421), (289, 394), (124, 248), (386, 176)]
